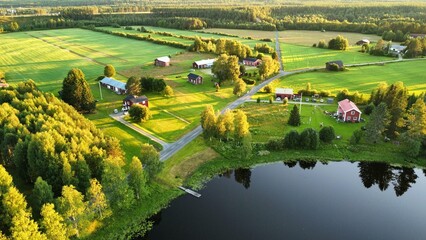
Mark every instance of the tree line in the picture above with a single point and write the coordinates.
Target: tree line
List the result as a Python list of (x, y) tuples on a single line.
[(77, 172)]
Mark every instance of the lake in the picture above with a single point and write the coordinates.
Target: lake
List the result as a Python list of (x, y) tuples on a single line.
[(302, 200)]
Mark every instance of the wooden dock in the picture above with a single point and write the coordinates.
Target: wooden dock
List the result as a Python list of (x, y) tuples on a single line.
[(189, 191)]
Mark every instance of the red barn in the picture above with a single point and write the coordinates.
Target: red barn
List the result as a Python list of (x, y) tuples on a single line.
[(195, 79), (162, 61), (284, 93), (252, 62), (132, 99), (348, 111)]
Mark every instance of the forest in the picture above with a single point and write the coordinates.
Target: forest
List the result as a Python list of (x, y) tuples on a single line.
[(372, 18)]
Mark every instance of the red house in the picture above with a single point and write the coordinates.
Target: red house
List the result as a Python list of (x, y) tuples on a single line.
[(252, 62), (195, 79), (162, 61), (284, 93), (348, 111), (132, 99)]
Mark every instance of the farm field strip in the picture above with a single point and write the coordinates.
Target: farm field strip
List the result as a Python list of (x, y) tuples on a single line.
[(298, 56), (362, 79)]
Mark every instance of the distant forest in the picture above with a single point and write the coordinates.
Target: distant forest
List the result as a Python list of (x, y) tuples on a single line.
[(356, 16)]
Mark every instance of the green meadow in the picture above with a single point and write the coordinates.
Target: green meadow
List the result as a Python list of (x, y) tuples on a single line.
[(362, 79), (299, 56), (269, 121)]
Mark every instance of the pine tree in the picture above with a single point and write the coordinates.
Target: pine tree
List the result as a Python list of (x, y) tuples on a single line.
[(13, 203), (396, 102), (294, 119), (76, 91), (377, 124), (52, 223), (136, 177), (42, 193)]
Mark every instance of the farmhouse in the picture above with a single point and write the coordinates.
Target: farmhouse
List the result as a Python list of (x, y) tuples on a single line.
[(114, 85), (284, 92), (338, 63), (363, 41), (162, 61), (348, 111), (132, 99), (195, 79), (252, 62), (396, 49), (206, 63)]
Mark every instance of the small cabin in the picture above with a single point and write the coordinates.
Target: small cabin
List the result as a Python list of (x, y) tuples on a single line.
[(195, 79), (162, 61), (363, 41), (114, 85), (132, 99)]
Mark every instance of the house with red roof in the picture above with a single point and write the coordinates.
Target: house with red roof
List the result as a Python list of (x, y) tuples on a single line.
[(348, 111)]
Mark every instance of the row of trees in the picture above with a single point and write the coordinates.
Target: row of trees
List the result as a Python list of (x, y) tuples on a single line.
[(222, 46), (135, 86), (338, 43), (398, 116), (72, 165), (308, 139)]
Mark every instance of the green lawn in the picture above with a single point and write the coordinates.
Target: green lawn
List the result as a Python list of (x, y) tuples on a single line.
[(362, 79), (269, 121), (299, 56)]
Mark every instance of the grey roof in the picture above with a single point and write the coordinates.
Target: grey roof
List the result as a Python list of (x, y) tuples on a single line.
[(338, 62), (136, 99), (193, 76), (114, 83)]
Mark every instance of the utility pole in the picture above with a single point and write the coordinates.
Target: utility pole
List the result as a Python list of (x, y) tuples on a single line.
[(100, 90), (300, 103)]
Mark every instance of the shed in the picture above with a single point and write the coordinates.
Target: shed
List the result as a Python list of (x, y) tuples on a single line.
[(132, 99), (252, 62), (338, 62), (363, 41), (348, 111), (162, 61), (284, 92), (114, 85), (206, 63), (195, 79)]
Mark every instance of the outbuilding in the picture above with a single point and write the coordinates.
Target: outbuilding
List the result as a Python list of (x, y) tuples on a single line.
[(162, 61), (284, 93), (348, 111), (363, 41), (252, 62), (114, 85), (195, 79), (132, 99), (206, 63)]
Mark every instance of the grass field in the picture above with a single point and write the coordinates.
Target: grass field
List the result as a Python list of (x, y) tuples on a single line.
[(270, 120), (362, 79), (250, 42), (308, 38), (298, 56), (47, 56)]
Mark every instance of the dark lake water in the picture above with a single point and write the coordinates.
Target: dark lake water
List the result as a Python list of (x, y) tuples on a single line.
[(302, 200)]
